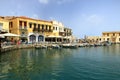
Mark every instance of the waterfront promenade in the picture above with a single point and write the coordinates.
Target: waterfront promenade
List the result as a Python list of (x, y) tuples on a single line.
[(9, 47)]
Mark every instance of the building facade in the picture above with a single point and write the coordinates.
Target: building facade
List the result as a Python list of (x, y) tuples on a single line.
[(58, 32), (4, 25), (29, 29), (113, 37), (34, 30), (67, 35)]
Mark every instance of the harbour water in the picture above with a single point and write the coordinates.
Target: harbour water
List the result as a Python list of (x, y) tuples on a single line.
[(86, 63)]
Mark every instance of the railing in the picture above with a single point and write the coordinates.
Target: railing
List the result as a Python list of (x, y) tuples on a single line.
[(23, 27), (43, 30)]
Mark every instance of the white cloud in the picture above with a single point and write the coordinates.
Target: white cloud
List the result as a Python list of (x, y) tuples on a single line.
[(94, 19), (62, 1), (44, 1), (54, 1)]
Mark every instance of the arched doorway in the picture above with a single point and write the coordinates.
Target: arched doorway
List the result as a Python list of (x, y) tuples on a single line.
[(40, 38), (32, 38)]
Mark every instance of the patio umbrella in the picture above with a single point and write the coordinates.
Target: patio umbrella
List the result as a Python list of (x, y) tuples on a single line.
[(10, 35), (2, 36)]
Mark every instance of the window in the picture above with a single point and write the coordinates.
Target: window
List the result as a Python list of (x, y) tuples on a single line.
[(107, 39), (56, 28), (119, 39), (113, 34), (11, 24), (119, 34), (42, 27), (38, 27), (53, 28), (100, 39), (30, 25), (107, 34), (46, 27), (35, 26), (49, 27), (20, 23), (68, 30), (25, 23), (10, 31)]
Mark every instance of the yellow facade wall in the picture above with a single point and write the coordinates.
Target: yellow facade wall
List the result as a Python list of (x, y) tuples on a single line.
[(16, 26), (5, 25), (114, 37)]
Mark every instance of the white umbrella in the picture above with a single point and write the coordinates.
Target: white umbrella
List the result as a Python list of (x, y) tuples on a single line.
[(10, 34), (2, 36), (55, 36)]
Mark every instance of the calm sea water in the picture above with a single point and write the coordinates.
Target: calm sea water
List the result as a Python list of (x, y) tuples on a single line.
[(89, 63)]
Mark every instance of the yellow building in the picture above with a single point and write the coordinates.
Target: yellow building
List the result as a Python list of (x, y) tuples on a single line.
[(4, 25), (33, 30), (114, 37), (93, 39)]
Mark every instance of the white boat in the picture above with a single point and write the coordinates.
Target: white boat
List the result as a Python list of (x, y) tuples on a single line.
[(69, 46)]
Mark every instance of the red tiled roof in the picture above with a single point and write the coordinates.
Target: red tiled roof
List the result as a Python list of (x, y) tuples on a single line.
[(24, 17)]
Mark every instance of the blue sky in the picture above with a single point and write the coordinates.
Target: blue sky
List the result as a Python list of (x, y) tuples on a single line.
[(84, 17)]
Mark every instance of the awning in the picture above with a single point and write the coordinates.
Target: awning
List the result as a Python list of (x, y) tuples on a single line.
[(10, 35), (68, 37), (52, 36)]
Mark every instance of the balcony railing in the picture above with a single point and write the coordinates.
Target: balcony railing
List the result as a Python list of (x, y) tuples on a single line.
[(42, 30), (23, 27)]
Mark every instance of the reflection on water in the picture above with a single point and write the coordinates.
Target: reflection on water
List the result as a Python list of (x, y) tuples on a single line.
[(114, 49), (99, 63)]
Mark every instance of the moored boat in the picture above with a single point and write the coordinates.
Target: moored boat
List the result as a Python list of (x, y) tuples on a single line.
[(72, 46)]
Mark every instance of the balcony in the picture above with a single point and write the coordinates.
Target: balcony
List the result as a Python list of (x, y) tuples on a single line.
[(23, 27), (42, 30)]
